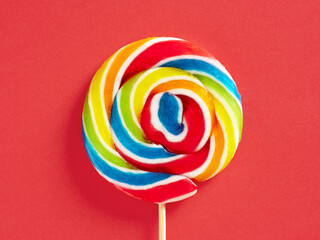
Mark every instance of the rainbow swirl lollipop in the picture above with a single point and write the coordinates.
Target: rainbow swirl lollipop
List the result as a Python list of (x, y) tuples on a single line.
[(160, 114)]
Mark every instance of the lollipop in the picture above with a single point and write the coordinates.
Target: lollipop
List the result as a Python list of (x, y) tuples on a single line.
[(160, 114)]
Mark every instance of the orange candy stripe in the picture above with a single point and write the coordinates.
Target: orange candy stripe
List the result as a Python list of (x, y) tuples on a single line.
[(122, 56), (215, 162)]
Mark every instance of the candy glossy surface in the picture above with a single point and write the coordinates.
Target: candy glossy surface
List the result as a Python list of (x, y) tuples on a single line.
[(160, 114)]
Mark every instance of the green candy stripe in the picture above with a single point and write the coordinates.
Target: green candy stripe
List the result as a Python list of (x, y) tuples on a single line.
[(126, 110), (92, 135)]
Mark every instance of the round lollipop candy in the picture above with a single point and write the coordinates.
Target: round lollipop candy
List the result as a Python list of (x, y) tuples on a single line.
[(160, 114)]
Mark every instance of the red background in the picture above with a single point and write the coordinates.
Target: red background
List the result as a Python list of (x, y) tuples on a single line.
[(51, 49)]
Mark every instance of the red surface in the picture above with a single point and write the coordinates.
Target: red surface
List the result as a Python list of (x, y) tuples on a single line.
[(50, 51)]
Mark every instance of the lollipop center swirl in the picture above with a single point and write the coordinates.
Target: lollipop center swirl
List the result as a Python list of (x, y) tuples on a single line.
[(168, 126), (160, 115)]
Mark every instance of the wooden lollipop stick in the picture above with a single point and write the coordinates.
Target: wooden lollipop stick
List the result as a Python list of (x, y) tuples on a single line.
[(162, 221)]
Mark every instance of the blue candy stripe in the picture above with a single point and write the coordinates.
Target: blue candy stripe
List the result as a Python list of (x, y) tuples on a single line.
[(130, 144), (205, 67), (132, 177), (168, 114)]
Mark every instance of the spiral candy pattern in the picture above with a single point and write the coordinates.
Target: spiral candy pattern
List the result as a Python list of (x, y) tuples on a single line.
[(159, 114)]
